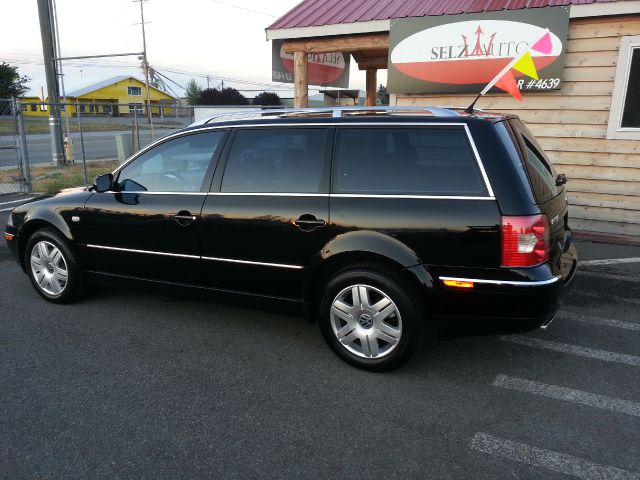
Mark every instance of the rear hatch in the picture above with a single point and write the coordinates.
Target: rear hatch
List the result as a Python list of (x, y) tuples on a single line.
[(548, 189)]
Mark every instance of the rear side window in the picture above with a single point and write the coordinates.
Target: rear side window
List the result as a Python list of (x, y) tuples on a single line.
[(542, 175), (273, 160), (405, 161)]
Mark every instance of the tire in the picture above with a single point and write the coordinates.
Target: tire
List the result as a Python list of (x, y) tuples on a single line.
[(52, 267), (353, 327)]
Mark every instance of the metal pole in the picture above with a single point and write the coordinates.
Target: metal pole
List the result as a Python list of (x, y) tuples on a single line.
[(44, 14), (59, 54), (135, 118), (145, 65), (84, 161), (22, 142)]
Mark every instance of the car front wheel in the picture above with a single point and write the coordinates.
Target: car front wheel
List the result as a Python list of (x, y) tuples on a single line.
[(370, 319), (52, 267)]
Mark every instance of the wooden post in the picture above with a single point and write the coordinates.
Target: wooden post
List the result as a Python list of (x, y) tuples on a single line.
[(371, 87), (300, 80)]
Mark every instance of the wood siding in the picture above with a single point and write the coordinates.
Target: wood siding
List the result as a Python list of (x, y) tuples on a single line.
[(571, 124)]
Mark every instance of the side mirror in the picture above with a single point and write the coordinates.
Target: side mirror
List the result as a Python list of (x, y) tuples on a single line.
[(103, 183)]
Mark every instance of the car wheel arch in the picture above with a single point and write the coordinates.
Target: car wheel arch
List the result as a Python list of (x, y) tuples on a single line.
[(331, 266), (32, 226)]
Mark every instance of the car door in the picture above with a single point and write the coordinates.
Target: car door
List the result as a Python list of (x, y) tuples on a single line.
[(148, 226), (268, 213)]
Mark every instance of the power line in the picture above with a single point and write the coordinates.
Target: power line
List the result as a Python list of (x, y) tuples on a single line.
[(243, 8)]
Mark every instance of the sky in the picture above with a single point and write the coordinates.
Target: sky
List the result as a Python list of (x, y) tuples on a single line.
[(185, 39)]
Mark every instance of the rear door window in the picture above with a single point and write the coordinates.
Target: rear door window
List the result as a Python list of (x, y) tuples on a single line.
[(276, 160), (406, 161)]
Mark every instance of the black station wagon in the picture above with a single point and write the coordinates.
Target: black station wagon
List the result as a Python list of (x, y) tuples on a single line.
[(374, 221)]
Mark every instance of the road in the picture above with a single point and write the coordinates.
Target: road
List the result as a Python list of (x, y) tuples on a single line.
[(127, 384), (97, 145)]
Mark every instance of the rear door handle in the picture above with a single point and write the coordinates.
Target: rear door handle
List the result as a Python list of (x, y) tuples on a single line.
[(185, 218), (308, 222)]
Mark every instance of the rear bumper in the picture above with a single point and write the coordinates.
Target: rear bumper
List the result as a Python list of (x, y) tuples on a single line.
[(510, 299)]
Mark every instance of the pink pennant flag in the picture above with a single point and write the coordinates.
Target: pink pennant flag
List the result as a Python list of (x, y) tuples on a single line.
[(543, 45)]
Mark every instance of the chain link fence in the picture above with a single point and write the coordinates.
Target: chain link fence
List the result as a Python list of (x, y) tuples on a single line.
[(96, 137), (14, 166)]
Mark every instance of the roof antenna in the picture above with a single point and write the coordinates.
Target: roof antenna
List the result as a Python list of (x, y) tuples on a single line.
[(469, 109)]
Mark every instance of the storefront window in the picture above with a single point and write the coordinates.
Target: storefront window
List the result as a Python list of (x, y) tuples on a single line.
[(631, 112), (624, 116)]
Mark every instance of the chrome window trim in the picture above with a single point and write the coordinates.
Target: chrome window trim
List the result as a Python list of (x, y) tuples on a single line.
[(138, 192), (325, 195), (422, 197), (476, 154), (267, 194), (479, 161), (514, 283), (195, 257)]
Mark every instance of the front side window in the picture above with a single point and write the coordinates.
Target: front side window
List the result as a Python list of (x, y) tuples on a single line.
[(406, 161), (177, 165), (134, 91), (276, 160)]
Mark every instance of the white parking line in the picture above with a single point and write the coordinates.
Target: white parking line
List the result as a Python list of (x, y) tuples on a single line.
[(6, 209), (22, 200), (610, 261), (548, 459), (573, 349), (568, 395), (583, 293), (631, 277), (607, 322)]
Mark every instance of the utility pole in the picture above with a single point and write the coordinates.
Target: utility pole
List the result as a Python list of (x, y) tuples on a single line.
[(44, 15), (145, 66), (66, 108)]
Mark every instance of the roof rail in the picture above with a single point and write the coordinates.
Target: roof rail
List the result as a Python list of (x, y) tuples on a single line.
[(337, 111)]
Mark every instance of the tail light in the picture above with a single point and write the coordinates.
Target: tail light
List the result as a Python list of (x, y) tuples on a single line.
[(525, 241)]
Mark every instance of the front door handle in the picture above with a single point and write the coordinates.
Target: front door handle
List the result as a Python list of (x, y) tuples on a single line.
[(185, 218), (308, 222)]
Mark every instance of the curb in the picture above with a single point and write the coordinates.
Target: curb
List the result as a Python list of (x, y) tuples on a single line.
[(599, 237)]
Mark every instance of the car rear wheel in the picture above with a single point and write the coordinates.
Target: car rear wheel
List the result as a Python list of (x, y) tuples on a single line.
[(370, 319), (52, 267)]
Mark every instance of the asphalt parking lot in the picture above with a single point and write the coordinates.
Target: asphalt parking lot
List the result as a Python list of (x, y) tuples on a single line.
[(128, 384)]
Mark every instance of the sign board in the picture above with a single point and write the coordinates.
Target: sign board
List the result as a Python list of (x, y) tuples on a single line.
[(463, 53), (325, 69)]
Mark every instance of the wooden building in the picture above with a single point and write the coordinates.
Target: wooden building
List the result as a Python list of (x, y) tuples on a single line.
[(580, 125), (116, 96)]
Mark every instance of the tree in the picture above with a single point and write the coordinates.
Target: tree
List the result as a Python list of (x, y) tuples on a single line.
[(267, 99), (192, 92), (382, 95), (226, 96), (11, 83)]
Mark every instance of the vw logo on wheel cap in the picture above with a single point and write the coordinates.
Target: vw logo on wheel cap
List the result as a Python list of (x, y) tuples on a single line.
[(365, 320)]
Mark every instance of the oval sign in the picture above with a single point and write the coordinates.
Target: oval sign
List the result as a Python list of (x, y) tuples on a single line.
[(323, 68), (469, 52)]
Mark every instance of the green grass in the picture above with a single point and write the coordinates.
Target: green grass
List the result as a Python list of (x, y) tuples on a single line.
[(53, 179)]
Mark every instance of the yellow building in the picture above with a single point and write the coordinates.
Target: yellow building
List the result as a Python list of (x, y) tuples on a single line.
[(117, 96)]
